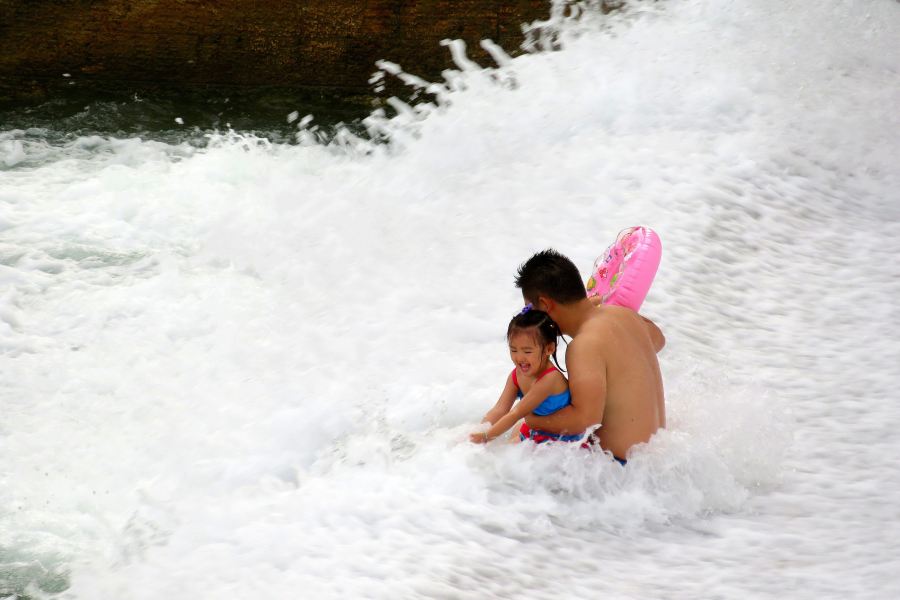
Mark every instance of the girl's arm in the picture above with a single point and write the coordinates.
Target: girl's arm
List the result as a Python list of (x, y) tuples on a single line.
[(538, 393), (506, 401)]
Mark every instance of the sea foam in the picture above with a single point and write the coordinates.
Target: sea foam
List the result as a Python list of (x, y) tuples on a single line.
[(249, 368)]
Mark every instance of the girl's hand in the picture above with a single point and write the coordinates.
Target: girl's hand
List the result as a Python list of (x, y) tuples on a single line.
[(479, 437)]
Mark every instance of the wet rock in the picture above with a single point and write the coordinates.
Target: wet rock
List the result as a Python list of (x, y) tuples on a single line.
[(326, 45)]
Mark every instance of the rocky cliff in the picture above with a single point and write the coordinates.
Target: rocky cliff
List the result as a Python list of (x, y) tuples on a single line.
[(328, 45)]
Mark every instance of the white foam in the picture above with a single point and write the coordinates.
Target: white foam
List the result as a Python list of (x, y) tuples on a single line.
[(249, 370), (11, 151)]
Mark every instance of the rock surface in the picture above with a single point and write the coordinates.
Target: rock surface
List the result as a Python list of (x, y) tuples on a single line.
[(327, 45)]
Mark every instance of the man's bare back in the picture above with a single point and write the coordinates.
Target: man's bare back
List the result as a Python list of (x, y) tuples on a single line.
[(614, 375)]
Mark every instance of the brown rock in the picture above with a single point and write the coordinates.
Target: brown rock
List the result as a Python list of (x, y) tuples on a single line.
[(327, 45)]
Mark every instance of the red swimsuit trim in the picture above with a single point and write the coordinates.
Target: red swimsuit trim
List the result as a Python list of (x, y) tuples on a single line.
[(516, 379)]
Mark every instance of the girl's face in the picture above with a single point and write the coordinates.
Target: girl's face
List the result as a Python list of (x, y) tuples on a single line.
[(527, 354)]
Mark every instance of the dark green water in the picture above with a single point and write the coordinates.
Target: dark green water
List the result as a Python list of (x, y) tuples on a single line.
[(68, 115), (30, 579)]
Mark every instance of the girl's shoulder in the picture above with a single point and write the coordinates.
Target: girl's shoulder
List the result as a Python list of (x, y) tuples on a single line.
[(557, 379), (556, 374), (521, 381), (516, 379)]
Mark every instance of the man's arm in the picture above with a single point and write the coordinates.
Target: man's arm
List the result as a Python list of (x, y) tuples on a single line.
[(587, 384), (656, 335)]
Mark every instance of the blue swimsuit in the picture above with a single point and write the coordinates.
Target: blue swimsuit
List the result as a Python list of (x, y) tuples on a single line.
[(552, 403), (548, 407)]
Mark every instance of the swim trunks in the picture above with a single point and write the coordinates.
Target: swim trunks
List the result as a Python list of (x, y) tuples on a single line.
[(539, 437)]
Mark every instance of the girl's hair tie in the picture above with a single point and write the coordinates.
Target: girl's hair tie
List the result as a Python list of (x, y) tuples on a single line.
[(526, 309)]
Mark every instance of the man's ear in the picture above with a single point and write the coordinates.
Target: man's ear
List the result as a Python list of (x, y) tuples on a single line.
[(548, 304)]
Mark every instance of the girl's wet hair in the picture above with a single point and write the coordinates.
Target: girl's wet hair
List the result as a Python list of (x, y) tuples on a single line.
[(540, 326)]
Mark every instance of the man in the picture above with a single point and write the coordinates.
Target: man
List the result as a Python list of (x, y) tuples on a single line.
[(613, 372)]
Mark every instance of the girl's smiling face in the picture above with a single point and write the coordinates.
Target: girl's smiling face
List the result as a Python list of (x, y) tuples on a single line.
[(527, 354)]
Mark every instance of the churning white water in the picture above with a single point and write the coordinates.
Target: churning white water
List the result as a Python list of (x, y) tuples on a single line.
[(247, 371)]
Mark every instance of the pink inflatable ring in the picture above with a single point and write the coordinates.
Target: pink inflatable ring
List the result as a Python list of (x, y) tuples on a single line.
[(623, 275)]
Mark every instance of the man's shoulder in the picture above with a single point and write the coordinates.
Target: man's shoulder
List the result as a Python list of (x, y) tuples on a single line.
[(604, 326), (590, 337), (599, 321)]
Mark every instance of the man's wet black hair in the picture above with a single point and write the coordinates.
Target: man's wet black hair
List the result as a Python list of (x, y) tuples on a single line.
[(551, 275), (540, 326)]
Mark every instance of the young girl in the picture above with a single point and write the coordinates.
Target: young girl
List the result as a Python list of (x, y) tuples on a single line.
[(543, 389)]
